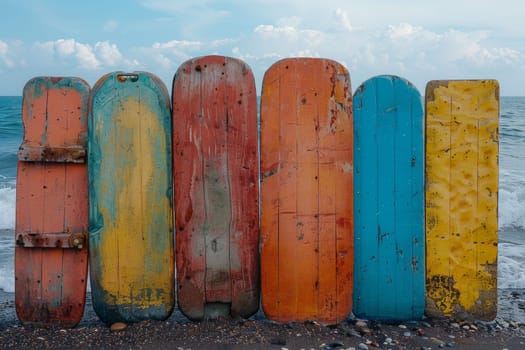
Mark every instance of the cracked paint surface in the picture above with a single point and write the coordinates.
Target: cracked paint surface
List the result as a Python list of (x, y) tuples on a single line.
[(462, 198)]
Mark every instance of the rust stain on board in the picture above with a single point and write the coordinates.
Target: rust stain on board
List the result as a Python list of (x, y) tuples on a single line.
[(51, 204)]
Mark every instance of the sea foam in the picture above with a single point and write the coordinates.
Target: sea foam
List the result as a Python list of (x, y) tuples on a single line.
[(7, 207)]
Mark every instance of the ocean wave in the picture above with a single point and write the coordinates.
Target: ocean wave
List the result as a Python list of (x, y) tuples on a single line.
[(7, 207), (510, 266), (511, 211)]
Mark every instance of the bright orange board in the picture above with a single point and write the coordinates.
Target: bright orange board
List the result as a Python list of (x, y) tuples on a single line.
[(462, 119), (51, 254), (215, 167), (306, 191)]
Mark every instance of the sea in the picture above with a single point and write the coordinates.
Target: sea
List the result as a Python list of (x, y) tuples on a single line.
[(511, 214)]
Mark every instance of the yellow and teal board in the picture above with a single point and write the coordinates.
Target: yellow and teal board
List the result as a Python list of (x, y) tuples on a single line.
[(461, 219), (130, 198)]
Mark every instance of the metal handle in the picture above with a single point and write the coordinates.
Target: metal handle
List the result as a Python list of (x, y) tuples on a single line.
[(122, 77)]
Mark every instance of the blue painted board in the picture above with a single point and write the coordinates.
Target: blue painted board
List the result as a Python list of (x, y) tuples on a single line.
[(389, 255)]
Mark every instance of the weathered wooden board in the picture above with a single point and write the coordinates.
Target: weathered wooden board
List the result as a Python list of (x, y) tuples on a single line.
[(389, 281), (462, 198), (215, 162), (51, 255), (130, 198), (306, 191)]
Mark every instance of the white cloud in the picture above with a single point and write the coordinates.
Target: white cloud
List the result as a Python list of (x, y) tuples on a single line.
[(343, 18), (289, 33), (101, 55), (179, 44), (4, 55), (108, 53), (70, 48), (86, 57), (163, 61)]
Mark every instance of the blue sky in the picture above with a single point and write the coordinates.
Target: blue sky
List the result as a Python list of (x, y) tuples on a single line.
[(418, 40)]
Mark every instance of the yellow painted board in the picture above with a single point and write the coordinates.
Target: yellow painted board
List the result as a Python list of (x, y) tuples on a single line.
[(131, 248), (461, 218)]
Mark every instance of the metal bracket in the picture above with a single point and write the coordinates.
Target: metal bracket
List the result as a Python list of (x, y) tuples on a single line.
[(69, 154), (52, 240)]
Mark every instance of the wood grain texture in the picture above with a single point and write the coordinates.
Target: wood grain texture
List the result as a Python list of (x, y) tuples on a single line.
[(130, 183), (462, 198), (216, 189), (51, 198), (306, 191), (389, 192)]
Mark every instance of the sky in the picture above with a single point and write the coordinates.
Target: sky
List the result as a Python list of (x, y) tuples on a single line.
[(416, 39)]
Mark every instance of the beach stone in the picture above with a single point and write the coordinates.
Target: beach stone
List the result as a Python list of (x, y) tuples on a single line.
[(118, 327), (454, 325), (353, 333), (361, 324), (402, 326), (362, 346), (407, 334)]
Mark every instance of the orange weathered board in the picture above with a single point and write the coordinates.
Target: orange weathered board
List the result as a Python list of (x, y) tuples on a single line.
[(306, 191), (51, 254), (215, 166)]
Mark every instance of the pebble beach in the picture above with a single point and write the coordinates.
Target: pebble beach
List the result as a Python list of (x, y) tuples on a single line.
[(507, 331)]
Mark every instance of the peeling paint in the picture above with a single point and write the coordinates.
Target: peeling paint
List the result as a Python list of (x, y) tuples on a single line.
[(51, 214), (216, 197), (130, 203), (461, 204)]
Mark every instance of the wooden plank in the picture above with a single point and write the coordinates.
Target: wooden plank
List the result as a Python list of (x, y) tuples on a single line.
[(216, 188), (131, 218), (306, 190), (50, 282), (462, 198), (389, 200)]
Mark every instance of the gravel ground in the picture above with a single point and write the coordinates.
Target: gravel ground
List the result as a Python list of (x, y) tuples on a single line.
[(260, 333)]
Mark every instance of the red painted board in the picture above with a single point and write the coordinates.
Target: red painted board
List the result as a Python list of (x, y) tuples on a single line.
[(215, 167), (51, 253), (306, 191)]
